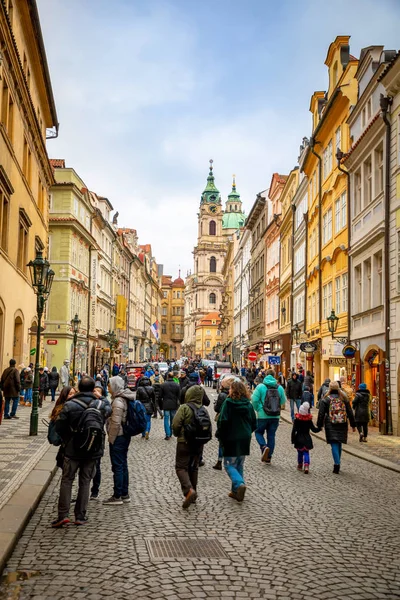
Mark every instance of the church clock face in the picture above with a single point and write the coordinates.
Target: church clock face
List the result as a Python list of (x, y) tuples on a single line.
[(213, 209)]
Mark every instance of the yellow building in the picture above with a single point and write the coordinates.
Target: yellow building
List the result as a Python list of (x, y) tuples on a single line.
[(172, 316), (208, 336), (27, 110), (286, 253), (327, 234)]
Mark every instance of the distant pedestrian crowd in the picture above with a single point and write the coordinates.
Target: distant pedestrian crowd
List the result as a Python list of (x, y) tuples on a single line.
[(249, 401)]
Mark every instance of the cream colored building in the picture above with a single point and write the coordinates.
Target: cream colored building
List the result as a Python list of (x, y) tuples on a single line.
[(27, 112)]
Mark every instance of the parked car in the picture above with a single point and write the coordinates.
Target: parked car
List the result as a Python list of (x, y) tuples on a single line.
[(133, 371), (163, 367), (221, 368)]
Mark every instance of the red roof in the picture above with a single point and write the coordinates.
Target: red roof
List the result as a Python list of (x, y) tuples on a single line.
[(166, 280), (146, 248), (207, 319), (179, 281), (57, 163)]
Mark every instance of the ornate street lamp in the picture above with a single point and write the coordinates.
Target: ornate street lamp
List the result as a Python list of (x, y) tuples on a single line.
[(75, 322), (296, 333), (42, 279), (333, 321)]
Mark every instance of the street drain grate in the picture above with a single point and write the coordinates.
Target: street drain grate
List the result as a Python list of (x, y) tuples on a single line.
[(185, 548)]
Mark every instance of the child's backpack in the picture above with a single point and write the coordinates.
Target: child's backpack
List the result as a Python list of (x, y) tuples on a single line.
[(337, 410), (199, 430), (272, 402), (136, 418), (89, 434)]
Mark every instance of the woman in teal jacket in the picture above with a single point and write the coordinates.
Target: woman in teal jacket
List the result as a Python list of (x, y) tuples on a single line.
[(266, 423)]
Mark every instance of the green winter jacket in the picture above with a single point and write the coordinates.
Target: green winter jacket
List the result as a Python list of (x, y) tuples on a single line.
[(236, 423), (259, 394), (184, 416)]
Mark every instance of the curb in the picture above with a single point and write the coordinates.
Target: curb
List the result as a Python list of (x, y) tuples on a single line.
[(381, 462), (16, 513)]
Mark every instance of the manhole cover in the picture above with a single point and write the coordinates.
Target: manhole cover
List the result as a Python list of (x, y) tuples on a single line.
[(185, 548)]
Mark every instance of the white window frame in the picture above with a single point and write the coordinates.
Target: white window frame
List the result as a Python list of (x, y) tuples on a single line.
[(327, 226)]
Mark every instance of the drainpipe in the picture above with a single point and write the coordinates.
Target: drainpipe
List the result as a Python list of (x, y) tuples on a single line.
[(385, 102), (313, 143), (305, 272), (292, 270), (339, 156)]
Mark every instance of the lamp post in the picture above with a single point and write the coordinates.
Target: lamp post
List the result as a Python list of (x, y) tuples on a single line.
[(333, 321), (75, 322), (135, 345), (42, 278), (170, 351)]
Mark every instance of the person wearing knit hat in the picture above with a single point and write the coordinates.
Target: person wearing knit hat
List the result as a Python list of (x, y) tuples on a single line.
[(362, 410), (334, 415), (301, 437), (187, 457)]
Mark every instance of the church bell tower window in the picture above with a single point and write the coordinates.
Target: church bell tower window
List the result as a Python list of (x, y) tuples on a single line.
[(213, 265), (212, 228)]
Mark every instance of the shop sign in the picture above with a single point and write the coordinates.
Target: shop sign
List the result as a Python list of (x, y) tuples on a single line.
[(274, 360), (33, 351), (266, 348), (337, 362), (309, 347), (52, 342), (349, 351)]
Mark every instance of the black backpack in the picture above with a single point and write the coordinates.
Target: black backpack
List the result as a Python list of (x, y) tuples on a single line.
[(199, 430), (272, 402), (89, 434)]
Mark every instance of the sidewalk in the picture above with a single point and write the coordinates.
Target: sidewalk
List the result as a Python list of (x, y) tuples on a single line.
[(383, 450), (27, 465)]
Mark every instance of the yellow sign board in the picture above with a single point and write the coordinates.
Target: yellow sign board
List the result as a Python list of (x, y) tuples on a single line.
[(121, 312)]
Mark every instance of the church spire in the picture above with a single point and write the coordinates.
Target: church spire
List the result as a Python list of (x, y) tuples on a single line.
[(211, 193)]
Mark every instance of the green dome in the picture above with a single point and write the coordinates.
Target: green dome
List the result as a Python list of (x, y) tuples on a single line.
[(233, 220)]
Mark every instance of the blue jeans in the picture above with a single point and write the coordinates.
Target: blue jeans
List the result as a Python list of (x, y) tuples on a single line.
[(28, 395), (13, 409), (292, 403), (168, 418), (96, 480), (220, 452), (234, 467), (119, 464), (336, 448), (269, 426), (303, 456), (53, 394), (148, 425)]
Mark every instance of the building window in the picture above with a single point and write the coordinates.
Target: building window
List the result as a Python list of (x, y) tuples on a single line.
[(4, 219), (178, 311), (367, 281), (212, 228), (327, 226), (367, 182), (344, 293), (165, 294), (378, 280), (208, 331), (163, 329), (27, 162), (23, 239), (177, 328), (208, 344), (340, 213), (164, 311), (327, 299), (337, 295), (213, 265), (178, 295), (7, 111), (327, 160), (338, 138), (357, 192), (213, 298), (379, 170)]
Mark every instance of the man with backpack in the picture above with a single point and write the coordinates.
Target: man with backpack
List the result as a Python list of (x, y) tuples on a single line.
[(80, 425), (268, 399), (192, 426)]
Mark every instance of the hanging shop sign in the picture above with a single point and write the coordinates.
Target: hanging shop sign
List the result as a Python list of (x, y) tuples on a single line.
[(274, 360), (337, 362), (309, 347), (349, 351)]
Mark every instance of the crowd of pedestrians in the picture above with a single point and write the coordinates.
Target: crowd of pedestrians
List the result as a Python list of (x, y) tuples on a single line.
[(247, 403)]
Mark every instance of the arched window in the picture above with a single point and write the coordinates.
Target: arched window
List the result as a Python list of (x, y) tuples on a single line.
[(213, 265), (212, 228), (213, 298)]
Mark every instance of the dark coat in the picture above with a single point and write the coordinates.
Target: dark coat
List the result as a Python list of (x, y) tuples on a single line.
[(206, 399), (146, 395), (334, 432), (28, 381), (362, 406), (54, 380), (309, 382), (301, 437), (307, 397), (68, 420), (169, 395), (43, 382), (10, 382), (236, 423), (294, 389), (183, 382), (222, 396)]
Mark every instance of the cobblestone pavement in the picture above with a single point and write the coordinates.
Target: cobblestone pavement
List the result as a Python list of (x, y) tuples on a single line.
[(296, 536), (19, 452)]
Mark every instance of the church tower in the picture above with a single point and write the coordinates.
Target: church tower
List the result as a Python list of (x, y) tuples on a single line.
[(233, 218)]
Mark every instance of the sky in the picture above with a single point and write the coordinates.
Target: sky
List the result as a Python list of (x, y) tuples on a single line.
[(147, 91)]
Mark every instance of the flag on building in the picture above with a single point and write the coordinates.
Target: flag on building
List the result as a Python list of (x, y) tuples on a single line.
[(154, 330)]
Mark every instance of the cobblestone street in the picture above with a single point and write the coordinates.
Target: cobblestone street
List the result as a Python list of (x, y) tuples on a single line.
[(295, 536)]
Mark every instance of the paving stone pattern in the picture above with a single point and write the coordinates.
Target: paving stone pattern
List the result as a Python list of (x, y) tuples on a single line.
[(296, 536), (20, 452)]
